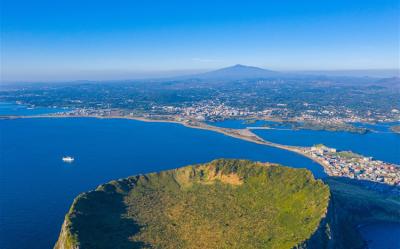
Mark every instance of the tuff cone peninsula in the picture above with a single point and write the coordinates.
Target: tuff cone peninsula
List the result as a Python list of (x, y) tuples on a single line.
[(227, 204), (221, 204)]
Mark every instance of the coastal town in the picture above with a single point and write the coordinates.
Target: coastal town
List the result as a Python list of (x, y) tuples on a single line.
[(351, 165), (211, 113), (212, 110)]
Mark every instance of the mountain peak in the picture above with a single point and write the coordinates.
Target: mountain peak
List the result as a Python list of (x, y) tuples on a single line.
[(239, 71), (239, 65)]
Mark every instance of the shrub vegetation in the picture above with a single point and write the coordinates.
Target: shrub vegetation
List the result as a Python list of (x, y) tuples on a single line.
[(222, 204)]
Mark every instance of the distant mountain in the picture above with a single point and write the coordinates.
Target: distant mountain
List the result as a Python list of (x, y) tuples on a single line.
[(238, 72), (393, 82)]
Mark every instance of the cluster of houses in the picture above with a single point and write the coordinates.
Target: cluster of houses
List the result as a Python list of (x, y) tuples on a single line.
[(349, 164)]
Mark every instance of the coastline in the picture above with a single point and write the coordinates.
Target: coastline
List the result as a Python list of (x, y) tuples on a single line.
[(244, 134)]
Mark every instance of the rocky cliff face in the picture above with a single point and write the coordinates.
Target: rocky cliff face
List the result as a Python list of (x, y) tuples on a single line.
[(65, 239), (352, 203)]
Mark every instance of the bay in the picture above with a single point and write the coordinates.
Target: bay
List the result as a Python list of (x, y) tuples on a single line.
[(37, 188)]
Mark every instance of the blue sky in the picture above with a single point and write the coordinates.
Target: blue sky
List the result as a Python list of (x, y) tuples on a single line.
[(50, 40)]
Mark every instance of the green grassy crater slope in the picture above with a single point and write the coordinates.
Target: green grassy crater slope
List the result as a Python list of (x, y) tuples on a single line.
[(222, 204)]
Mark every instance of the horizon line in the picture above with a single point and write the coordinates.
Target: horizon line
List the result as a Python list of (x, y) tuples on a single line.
[(160, 74)]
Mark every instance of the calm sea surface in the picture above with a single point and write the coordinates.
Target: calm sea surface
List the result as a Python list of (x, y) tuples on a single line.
[(382, 235), (37, 188)]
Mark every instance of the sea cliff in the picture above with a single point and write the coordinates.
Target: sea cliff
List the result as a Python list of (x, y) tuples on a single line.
[(353, 203)]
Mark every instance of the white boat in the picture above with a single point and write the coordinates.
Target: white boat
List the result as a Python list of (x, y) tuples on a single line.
[(68, 159)]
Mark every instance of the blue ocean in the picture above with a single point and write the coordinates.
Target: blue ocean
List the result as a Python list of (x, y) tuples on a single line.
[(37, 187)]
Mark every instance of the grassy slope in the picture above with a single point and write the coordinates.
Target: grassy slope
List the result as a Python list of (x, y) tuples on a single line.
[(223, 204)]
